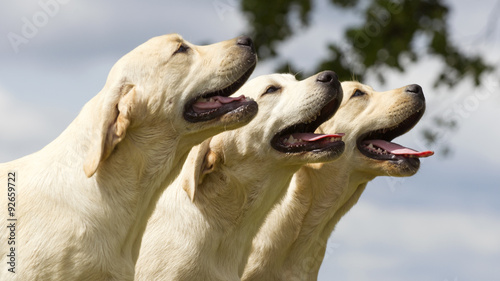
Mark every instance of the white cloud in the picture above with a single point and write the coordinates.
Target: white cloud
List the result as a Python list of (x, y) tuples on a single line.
[(70, 31), (478, 130), (423, 230), (19, 120), (385, 241), (25, 128)]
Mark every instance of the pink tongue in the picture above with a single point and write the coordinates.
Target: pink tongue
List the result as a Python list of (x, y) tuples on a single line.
[(217, 102), (229, 99), (397, 149), (314, 137)]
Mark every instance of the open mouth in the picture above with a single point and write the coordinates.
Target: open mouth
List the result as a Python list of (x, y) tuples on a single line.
[(377, 144), (301, 137), (209, 106)]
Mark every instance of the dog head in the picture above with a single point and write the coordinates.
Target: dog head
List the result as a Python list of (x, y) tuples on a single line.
[(282, 133), (371, 120), (179, 88)]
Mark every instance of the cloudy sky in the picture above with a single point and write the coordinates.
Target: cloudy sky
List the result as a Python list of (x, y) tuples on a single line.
[(441, 224)]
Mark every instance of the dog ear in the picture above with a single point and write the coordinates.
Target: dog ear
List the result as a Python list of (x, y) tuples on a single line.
[(114, 121), (201, 162)]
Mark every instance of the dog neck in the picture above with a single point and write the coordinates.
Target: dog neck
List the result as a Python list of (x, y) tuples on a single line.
[(311, 209), (254, 193)]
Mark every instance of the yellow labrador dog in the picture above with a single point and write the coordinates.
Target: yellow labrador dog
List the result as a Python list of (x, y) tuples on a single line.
[(291, 244), (203, 226), (83, 201)]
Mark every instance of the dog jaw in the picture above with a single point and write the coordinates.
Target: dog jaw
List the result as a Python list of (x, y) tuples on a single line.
[(213, 106), (311, 102)]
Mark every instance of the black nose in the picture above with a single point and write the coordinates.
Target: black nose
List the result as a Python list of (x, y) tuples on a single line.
[(415, 89), (245, 41), (327, 77)]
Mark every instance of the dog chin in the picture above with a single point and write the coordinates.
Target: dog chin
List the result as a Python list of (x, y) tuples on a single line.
[(320, 156), (401, 168), (239, 116)]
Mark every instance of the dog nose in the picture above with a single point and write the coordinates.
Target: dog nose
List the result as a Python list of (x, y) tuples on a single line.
[(245, 41), (415, 89), (327, 77)]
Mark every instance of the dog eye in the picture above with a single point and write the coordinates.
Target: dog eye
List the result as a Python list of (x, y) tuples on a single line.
[(182, 49), (358, 93), (271, 89)]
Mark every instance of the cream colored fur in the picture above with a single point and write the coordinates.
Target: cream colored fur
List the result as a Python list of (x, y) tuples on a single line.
[(291, 244), (203, 225), (83, 201)]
